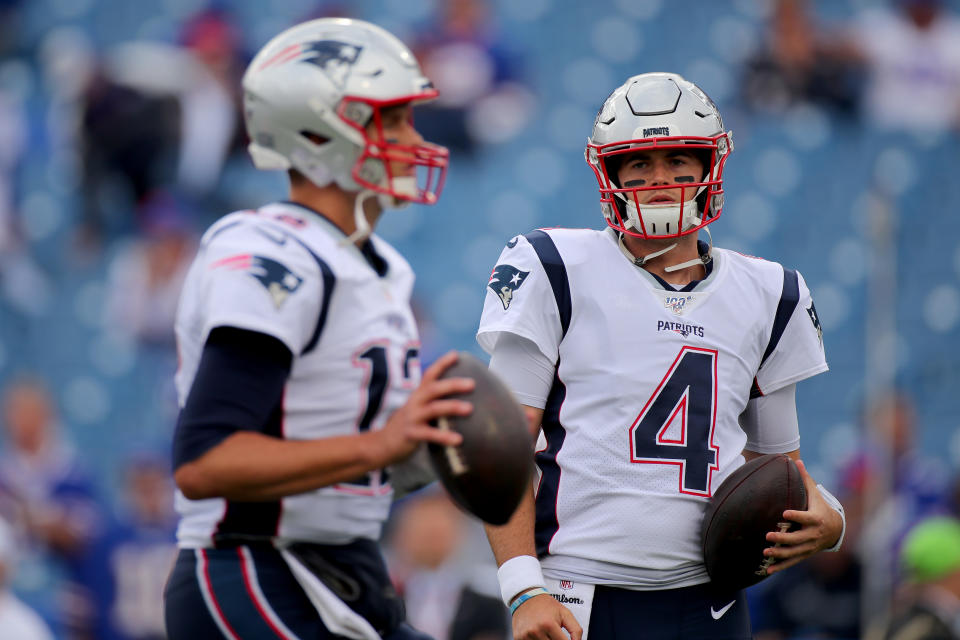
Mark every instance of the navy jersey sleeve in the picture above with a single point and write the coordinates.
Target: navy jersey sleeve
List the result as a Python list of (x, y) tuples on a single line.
[(239, 386)]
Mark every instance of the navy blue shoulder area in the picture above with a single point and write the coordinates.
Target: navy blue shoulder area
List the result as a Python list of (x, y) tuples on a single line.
[(329, 281), (789, 298), (556, 272)]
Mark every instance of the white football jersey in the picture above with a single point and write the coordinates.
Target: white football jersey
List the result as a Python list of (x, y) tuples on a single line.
[(641, 424), (282, 270)]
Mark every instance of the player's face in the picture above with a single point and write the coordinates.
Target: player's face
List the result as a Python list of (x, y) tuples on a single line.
[(654, 167), (396, 127)]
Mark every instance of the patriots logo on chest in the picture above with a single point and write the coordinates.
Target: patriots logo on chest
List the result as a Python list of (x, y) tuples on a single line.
[(276, 278), (504, 281)]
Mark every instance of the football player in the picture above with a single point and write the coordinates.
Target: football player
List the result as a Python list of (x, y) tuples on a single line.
[(655, 365), (299, 380)]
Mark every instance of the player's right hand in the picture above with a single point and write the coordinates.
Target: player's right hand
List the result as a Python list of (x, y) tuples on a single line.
[(410, 425), (543, 618)]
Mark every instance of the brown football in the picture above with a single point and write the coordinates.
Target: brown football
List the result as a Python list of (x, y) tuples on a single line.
[(488, 472), (749, 503)]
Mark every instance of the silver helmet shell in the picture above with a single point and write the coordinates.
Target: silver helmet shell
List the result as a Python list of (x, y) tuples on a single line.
[(659, 111), (310, 94)]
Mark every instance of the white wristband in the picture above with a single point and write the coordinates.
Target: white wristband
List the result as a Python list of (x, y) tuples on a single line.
[(836, 506), (519, 574)]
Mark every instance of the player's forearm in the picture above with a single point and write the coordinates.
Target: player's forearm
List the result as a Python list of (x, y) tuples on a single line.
[(251, 466), (515, 538)]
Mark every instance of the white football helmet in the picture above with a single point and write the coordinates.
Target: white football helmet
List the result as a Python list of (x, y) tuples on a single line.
[(659, 111), (310, 93)]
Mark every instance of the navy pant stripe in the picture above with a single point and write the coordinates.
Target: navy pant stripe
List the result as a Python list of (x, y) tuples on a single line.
[(210, 597), (228, 583), (245, 593), (259, 600)]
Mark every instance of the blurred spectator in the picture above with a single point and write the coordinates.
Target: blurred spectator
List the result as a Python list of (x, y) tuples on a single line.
[(901, 486), (46, 493), (930, 604), (445, 571), (24, 286), (146, 276), (10, 26), (12, 144), (912, 58), (17, 620), (482, 98), (820, 597), (162, 116), (128, 142), (796, 65), (211, 126), (142, 549)]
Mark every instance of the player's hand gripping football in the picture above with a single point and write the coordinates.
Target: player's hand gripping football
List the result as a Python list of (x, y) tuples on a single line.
[(820, 528), (409, 425), (543, 618)]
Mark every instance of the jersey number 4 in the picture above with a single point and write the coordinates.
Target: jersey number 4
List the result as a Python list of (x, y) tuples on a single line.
[(676, 425)]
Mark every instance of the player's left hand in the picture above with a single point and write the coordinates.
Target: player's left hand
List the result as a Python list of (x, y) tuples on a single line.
[(820, 528)]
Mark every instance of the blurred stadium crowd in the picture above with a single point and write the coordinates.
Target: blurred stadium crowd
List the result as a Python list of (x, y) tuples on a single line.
[(121, 139)]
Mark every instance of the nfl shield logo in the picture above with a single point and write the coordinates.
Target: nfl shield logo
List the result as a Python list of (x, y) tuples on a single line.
[(566, 584)]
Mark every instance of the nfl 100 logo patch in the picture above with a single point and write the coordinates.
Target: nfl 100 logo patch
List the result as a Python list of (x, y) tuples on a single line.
[(680, 303)]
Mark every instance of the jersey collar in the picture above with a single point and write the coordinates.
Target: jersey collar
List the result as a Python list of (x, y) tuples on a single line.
[(377, 262), (703, 249)]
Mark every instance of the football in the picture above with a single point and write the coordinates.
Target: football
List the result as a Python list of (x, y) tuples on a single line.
[(488, 472), (746, 506)]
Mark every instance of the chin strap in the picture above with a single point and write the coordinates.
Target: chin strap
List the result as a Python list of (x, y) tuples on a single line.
[(703, 259), (640, 262), (360, 219), (385, 200)]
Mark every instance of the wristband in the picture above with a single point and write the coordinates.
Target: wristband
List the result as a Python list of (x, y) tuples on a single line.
[(836, 506), (518, 574), (526, 596)]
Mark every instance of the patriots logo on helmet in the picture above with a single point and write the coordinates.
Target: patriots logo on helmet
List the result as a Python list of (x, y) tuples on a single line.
[(504, 281), (277, 279), (334, 57)]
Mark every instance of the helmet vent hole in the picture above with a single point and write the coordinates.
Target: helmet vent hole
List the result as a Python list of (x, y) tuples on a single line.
[(315, 138), (702, 115)]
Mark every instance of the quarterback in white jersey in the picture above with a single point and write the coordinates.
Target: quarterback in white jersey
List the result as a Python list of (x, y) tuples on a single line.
[(299, 379), (655, 365), (281, 271)]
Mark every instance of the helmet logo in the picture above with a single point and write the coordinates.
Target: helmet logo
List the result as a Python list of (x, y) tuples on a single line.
[(335, 58), (656, 131)]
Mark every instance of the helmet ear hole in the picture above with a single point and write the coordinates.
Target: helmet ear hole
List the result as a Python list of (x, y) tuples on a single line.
[(315, 138), (612, 166), (702, 204)]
